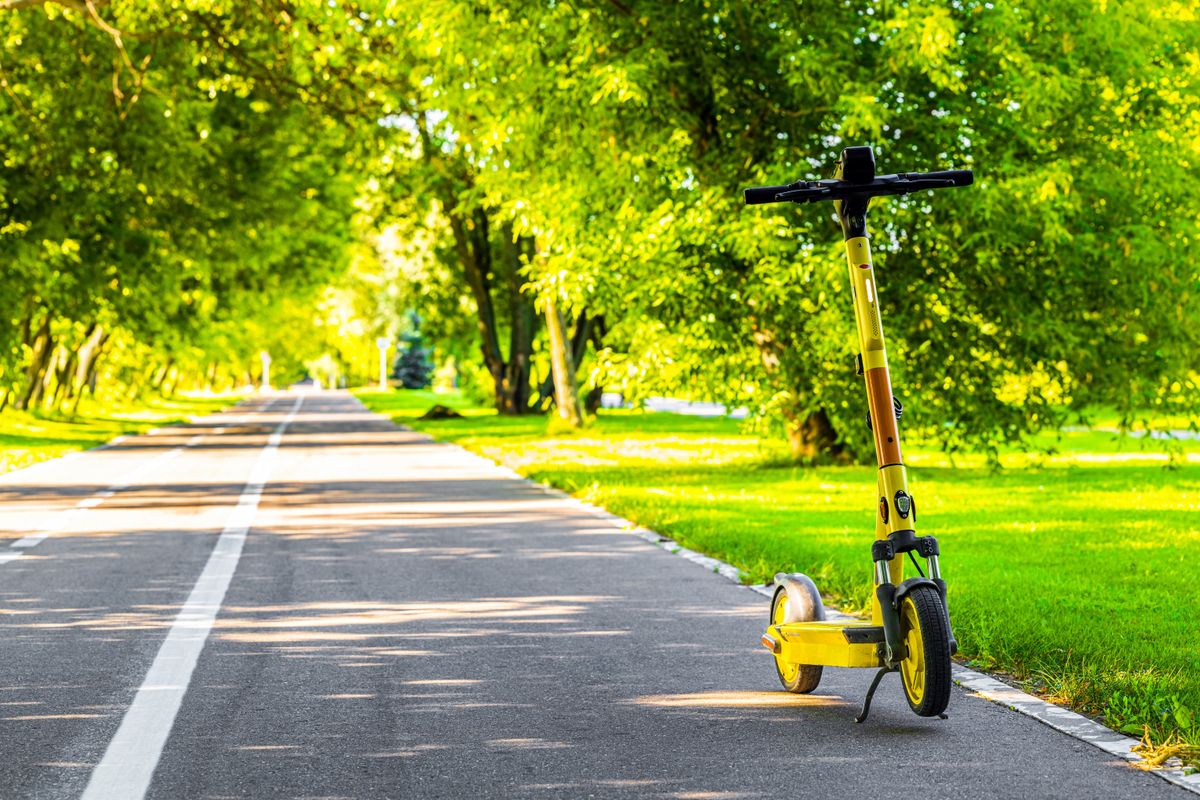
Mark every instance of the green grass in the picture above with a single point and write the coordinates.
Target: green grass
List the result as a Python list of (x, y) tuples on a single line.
[(27, 437), (1073, 572)]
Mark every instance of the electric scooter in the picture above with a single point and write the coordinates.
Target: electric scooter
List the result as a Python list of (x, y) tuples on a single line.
[(909, 630)]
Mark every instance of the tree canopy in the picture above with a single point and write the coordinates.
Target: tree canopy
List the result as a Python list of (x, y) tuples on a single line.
[(554, 189)]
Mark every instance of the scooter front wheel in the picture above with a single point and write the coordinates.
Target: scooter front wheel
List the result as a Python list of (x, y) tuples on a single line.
[(798, 678), (925, 669)]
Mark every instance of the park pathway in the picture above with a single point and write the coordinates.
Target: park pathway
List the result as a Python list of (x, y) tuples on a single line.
[(315, 603)]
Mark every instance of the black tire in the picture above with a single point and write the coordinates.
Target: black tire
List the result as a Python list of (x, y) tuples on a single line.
[(925, 670), (797, 678)]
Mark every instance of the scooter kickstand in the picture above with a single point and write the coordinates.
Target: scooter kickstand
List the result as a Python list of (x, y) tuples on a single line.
[(866, 709)]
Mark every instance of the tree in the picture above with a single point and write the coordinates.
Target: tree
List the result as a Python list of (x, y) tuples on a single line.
[(412, 366), (192, 202)]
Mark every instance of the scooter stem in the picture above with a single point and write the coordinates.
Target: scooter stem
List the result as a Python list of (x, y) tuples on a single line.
[(895, 510)]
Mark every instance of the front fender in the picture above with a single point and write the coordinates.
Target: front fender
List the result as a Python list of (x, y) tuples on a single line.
[(908, 585)]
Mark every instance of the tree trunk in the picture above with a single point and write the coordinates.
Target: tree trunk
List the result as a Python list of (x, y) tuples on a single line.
[(472, 245), (85, 366), (161, 378), (512, 393), (811, 435), (598, 329), (585, 329), (173, 377), (562, 364), (62, 391), (473, 248), (474, 251), (43, 396), (37, 371), (591, 401), (42, 347)]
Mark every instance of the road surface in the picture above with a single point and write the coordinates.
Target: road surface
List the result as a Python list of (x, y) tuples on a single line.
[(297, 599)]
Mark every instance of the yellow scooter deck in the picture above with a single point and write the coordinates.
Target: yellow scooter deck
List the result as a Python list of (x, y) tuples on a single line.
[(826, 643)]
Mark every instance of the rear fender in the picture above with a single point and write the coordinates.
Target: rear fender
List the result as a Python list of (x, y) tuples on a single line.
[(803, 600)]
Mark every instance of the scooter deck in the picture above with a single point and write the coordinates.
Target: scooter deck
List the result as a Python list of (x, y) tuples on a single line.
[(826, 643)]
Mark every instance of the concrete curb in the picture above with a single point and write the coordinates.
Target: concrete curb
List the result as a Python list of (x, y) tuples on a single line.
[(981, 685)]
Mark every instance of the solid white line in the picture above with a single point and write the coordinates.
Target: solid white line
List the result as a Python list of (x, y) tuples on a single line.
[(132, 756)]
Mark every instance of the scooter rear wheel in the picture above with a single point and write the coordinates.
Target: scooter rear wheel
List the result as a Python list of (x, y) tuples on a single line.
[(798, 678), (925, 669)]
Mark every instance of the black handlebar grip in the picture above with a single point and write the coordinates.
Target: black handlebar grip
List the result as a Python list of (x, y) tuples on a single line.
[(957, 177), (763, 194)]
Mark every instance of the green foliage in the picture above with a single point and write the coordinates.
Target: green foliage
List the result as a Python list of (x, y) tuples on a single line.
[(619, 138), (233, 164), (154, 194)]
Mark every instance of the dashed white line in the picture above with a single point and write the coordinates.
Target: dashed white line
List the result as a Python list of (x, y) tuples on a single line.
[(63, 518), (133, 754)]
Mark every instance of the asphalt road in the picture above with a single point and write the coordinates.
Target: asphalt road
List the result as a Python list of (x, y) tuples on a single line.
[(405, 620)]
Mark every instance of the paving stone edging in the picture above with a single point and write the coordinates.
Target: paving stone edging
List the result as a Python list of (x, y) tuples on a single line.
[(982, 685)]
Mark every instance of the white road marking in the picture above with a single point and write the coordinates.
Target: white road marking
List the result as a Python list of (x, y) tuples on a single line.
[(7, 557), (63, 518), (132, 756)]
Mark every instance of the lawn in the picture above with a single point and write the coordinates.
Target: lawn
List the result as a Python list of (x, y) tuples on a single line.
[(1066, 571), (27, 437)]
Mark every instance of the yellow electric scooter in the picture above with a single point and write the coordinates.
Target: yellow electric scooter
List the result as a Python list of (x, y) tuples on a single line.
[(909, 630)]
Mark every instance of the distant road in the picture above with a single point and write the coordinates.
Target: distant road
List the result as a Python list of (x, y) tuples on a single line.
[(297, 599)]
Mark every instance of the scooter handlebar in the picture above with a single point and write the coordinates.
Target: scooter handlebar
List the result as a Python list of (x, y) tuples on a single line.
[(900, 183), (764, 194), (957, 177)]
